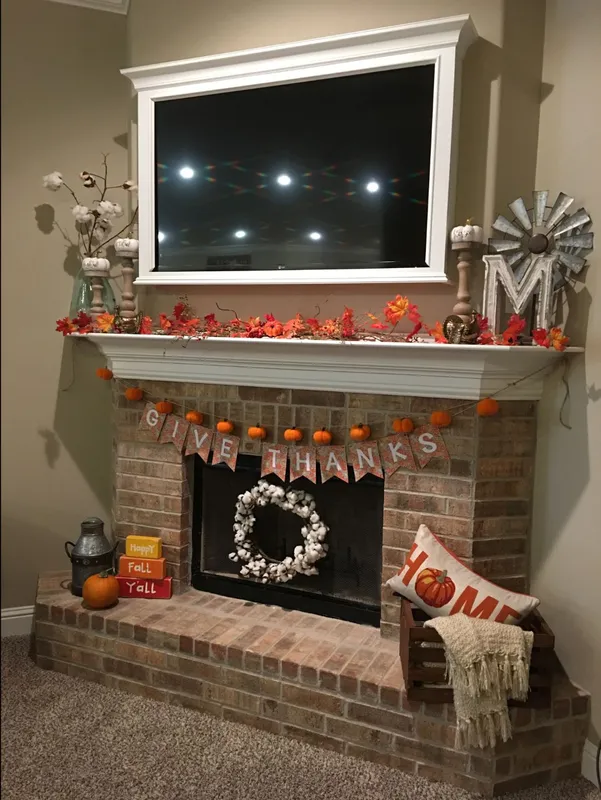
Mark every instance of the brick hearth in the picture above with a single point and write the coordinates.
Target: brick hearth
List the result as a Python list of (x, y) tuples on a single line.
[(478, 502), (332, 684)]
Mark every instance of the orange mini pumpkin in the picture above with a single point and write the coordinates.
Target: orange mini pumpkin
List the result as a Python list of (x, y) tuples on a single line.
[(195, 417), (434, 587), (257, 432), (101, 590), (322, 437), (134, 393), (404, 425), (487, 407), (164, 407), (105, 373), (293, 434), (225, 426), (440, 418), (360, 432)]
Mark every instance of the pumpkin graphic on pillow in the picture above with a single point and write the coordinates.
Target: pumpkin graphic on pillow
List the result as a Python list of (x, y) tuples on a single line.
[(434, 587)]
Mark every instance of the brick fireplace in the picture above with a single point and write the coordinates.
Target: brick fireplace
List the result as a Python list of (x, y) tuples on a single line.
[(478, 502), (330, 682)]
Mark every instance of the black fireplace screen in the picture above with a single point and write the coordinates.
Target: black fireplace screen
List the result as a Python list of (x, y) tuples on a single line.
[(349, 579)]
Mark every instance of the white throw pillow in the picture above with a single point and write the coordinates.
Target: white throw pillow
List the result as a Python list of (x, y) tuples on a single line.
[(437, 582)]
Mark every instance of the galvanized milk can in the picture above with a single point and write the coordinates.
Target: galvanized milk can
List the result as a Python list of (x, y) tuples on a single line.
[(91, 554)]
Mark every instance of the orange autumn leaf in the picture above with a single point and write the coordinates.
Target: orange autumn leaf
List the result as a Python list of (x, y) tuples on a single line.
[(437, 333), (557, 340), (104, 322), (396, 309)]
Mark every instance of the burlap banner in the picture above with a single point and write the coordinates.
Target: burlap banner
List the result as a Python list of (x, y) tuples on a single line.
[(389, 454), (303, 463), (274, 460), (427, 443), (332, 462), (396, 453), (364, 458), (199, 441), (152, 420), (225, 449)]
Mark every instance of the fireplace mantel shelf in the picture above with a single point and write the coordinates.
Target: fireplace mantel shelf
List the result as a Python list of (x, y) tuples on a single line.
[(420, 370)]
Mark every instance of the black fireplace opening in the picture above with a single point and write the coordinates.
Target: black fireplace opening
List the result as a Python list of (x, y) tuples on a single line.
[(349, 581)]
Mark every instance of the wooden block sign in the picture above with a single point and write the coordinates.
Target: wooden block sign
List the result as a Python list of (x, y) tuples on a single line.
[(143, 547), (131, 567), (140, 587)]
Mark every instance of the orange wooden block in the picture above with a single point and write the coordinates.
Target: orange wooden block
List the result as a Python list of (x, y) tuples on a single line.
[(143, 546), (131, 567)]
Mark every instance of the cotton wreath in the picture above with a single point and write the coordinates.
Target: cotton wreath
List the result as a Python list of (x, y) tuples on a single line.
[(314, 532)]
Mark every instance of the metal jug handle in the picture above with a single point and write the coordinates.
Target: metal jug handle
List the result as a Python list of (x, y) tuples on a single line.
[(67, 551), (114, 554)]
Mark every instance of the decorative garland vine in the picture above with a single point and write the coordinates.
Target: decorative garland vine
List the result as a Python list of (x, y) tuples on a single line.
[(184, 323), (314, 531)]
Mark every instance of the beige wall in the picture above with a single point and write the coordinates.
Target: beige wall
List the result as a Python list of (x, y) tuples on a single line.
[(501, 72), (567, 523), (63, 104)]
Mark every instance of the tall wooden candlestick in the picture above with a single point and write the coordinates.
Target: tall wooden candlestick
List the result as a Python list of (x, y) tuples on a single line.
[(97, 306), (465, 255), (128, 303)]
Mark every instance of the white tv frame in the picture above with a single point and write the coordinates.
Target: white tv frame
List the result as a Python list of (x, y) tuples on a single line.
[(441, 42)]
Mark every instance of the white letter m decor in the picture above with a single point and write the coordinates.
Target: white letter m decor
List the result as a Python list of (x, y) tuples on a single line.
[(537, 278)]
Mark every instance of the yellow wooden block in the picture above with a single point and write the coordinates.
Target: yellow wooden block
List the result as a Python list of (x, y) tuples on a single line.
[(143, 546)]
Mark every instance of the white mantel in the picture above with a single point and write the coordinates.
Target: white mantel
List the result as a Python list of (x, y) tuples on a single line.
[(419, 370)]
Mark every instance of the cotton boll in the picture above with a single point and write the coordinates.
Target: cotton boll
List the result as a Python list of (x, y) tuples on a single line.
[(298, 550), (314, 518)]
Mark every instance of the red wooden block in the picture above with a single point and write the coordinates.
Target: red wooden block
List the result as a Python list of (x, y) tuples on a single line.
[(139, 587)]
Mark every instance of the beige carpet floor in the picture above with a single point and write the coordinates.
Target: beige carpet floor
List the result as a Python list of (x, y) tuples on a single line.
[(67, 739)]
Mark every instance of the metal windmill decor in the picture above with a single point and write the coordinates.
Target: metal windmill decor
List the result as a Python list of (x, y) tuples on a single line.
[(541, 249)]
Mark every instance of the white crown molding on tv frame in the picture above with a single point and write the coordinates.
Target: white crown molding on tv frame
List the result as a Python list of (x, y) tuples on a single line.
[(116, 6), (441, 42)]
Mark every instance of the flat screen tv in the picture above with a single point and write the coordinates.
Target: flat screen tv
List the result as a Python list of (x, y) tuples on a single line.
[(319, 174)]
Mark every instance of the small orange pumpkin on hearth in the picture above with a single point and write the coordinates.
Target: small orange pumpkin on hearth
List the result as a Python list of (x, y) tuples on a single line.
[(133, 393), (257, 432), (322, 437), (195, 417), (101, 590), (487, 407), (360, 432), (225, 426), (293, 434), (404, 425), (164, 407), (105, 373), (442, 419), (434, 587)]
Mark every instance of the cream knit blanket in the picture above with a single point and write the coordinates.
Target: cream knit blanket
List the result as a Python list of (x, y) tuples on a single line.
[(487, 663)]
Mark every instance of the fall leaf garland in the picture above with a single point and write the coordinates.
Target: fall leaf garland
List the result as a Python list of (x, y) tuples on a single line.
[(185, 324)]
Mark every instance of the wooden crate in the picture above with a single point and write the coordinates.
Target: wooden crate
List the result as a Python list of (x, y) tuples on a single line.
[(426, 683)]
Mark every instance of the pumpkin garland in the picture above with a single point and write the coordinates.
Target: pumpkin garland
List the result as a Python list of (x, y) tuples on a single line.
[(293, 434), (487, 407), (104, 373), (194, 417), (257, 432), (440, 419), (404, 425), (133, 393), (225, 426), (322, 437), (360, 432), (164, 407)]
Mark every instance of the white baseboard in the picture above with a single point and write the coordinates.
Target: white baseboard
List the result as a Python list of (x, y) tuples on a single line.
[(589, 762), (17, 621)]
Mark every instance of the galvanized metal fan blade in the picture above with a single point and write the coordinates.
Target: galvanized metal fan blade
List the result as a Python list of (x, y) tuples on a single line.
[(569, 260), (576, 240), (504, 225), (540, 204), (515, 258), (501, 245), (559, 279), (577, 220), (522, 269), (521, 213), (559, 209)]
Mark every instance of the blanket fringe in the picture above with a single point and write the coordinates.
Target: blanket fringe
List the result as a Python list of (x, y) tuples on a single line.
[(491, 675), (483, 731)]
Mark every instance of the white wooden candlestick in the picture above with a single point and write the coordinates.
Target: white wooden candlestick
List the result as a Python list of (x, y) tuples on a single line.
[(97, 306)]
